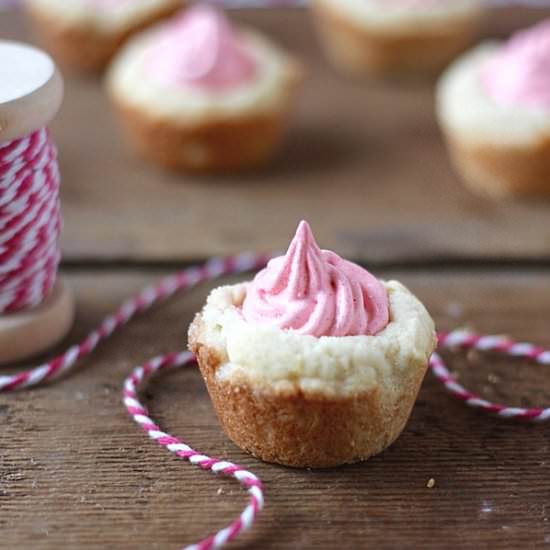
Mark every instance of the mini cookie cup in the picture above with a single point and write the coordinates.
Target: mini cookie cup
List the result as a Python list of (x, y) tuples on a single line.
[(197, 130), (315, 426), (499, 151)]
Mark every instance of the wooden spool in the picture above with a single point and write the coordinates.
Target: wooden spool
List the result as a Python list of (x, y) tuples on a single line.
[(31, 91)]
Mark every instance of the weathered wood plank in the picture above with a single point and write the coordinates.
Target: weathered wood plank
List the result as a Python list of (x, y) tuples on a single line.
[(76, 472), (364, 164)]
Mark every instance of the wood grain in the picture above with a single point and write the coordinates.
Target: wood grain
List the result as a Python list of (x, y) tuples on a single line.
[(76, 472), (364, 163)]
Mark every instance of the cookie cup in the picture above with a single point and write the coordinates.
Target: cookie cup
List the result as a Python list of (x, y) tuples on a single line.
[(88, 43), (191, 129), (303, 401), (499, 151), (377, 45)]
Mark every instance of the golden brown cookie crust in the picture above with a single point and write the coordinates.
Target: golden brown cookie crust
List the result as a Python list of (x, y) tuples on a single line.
[(502, 171), (293, 429), (214, 147)]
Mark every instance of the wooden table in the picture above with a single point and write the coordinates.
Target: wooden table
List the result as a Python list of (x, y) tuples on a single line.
[(371, 175)]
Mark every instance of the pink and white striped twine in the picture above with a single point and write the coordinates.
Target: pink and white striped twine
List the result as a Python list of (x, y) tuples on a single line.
[(29, 221), (29, 254)]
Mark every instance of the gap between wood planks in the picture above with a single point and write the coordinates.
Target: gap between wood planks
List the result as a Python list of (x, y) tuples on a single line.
[(442, 264)]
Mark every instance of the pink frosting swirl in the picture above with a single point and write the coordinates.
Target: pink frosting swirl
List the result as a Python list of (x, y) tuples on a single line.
[(200, 48), (519, 73), (314, 291)]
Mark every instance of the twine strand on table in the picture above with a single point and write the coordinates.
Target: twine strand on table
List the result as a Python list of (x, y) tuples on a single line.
[(247, 479), (465, 339), (141, 302), (210, 271)]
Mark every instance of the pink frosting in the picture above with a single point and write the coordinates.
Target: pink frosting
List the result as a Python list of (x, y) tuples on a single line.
[(519, 73), (200, 48), (314, 291)]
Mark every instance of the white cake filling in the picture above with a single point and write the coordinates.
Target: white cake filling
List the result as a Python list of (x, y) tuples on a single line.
[(385, 16), (109, 16), (268, 91), (267, 356), (466, 111)]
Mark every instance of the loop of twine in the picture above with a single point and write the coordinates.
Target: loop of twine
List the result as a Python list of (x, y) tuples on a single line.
[(247, 479)]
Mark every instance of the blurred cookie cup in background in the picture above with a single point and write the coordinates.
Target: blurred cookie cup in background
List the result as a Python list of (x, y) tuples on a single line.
[(85, 34), (198, 94), (493, 105), (395, 37)]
